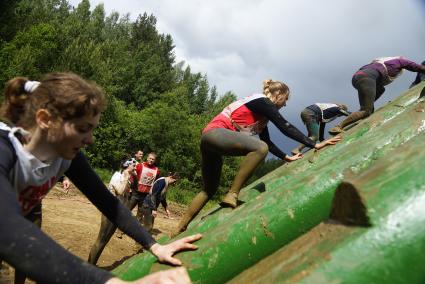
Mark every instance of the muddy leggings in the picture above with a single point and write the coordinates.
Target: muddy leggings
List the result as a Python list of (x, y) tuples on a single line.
[(311, 121), (107, 228), (369, 90), (215, 144)]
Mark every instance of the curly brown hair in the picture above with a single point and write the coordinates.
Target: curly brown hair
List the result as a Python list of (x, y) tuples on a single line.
[(65, 95)]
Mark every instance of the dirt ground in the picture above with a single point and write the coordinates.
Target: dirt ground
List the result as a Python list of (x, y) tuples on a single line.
[(72, 221)]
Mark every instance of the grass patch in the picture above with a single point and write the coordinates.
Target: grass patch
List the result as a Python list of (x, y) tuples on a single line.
[(104, 174)]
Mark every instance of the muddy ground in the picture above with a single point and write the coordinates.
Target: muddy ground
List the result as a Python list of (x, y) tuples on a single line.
[(71, 220)]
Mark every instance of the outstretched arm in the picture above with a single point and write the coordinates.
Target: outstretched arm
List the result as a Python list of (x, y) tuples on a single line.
[(265, 107), (322, 131), (275, 150), (411, 66)]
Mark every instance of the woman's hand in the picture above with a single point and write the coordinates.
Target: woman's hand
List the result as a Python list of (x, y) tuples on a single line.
[(66, 184), (168, 214), (164, 253), (171, 276), (330, 141), (294, 157), (154, 213)]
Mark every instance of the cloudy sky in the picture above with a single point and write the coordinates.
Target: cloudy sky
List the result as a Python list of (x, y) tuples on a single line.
[(313, 46)]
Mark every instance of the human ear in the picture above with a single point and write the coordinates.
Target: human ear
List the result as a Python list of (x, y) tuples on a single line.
[(43, 118)]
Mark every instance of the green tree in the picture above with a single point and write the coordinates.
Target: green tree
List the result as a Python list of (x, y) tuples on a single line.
[(31, 53)]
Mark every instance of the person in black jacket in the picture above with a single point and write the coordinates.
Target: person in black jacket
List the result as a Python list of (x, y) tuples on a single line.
[(48, 123), (316, 116), (157, 196)]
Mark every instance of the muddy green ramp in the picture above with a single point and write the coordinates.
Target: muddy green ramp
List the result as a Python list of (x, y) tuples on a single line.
[(379, 236)]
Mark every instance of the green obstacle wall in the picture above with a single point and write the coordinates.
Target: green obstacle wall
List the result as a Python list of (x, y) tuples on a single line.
[(376, 234), (281, 207)]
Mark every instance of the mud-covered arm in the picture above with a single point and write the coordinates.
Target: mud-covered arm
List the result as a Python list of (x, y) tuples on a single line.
[(265, 107), (24, 246), (164, 202), (322, 131), (84, 177), (159, 194), (265, 136)]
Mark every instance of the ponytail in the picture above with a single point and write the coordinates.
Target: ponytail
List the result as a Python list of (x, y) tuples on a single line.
[(16, 95)]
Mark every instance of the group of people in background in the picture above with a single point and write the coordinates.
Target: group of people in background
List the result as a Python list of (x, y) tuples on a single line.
[(47, 123), (138, 184)]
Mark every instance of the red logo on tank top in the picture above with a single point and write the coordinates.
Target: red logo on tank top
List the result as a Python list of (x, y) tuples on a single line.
[(32, 195)]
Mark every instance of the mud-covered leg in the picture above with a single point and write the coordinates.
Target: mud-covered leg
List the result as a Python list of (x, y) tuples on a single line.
[(214, 145), (106, 231), (366, 88), (310, 120), (211, 172), (246, 169), (147, 218)]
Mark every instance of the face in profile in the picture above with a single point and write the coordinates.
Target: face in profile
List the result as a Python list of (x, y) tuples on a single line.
[(172, 180), (281, 100), (66, 138), (130, 168)]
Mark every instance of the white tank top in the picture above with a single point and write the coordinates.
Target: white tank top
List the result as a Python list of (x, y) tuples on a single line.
[(31, 178)]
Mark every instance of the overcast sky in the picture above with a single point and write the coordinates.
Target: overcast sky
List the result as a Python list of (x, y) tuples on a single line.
[(313, 46)]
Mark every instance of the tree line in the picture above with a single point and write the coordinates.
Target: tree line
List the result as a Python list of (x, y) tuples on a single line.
[(154, 103)]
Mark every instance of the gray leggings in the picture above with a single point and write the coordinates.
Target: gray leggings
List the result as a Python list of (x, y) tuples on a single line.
[(221, 142), (215, 144), (366, 81), (369, 89)]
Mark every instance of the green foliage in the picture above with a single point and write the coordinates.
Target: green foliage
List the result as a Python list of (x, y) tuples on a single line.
[(104, 174), (183, 191), (154, 104), (31, 53)]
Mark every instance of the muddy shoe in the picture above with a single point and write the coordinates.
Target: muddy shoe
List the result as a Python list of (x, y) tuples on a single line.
[(230, 200), (335, 130)]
